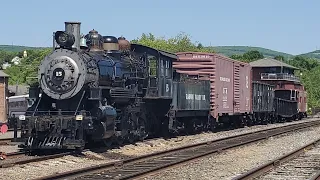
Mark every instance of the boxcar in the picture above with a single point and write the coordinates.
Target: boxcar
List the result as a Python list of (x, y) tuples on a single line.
[(230, 82)]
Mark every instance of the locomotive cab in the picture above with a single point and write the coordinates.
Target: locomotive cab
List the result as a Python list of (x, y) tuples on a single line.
[(160, 71)]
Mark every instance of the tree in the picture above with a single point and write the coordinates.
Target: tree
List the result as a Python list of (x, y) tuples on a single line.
[(252, 56), (179, 43), (279, 58), (304, 63), (248, 56), (6, 56), (27, 68), (200, 46)]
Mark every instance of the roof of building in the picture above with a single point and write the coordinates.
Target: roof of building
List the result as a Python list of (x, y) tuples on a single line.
[(2, 74), (22, 89), (268, 62)]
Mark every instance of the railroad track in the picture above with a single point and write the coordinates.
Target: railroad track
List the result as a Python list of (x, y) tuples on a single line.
[(17, 160), (5, 141), (152, 163), (302, 163)]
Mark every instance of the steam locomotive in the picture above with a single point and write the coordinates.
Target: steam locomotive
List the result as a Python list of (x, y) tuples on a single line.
[(95, 88)]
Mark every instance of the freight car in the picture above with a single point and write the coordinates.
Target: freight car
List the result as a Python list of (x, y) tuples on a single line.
[(104, 89), (191, 106)]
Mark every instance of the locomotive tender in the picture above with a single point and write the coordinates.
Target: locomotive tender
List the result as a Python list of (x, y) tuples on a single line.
[(97, 88)]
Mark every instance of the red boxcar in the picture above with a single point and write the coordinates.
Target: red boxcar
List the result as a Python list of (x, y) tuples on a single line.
[(230, 81)]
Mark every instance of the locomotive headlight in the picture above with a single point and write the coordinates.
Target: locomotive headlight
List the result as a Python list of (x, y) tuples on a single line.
[(64, 39), (22, 117), (79, 117)]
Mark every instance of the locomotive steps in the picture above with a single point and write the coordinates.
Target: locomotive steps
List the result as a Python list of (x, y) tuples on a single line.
[(150, 163)]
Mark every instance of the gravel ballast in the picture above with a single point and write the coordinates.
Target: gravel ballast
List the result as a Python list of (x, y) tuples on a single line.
[(156, 145), (233, 162)]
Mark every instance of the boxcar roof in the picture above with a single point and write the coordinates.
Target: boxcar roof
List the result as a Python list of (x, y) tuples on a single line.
[(268, 62), (205, 55)]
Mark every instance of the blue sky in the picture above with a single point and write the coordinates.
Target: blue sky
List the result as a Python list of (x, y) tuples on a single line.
[(290, 26)]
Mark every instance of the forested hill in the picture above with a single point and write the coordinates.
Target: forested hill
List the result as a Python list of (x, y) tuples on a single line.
[(232, 50), (313, 54), (225, 50), (14, 48)]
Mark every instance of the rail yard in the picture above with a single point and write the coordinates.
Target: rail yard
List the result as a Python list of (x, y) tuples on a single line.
[(106, 108)]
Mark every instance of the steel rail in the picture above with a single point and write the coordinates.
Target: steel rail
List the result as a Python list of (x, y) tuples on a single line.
[(151, 163), (316, 176), (258, 171), (33, 159)]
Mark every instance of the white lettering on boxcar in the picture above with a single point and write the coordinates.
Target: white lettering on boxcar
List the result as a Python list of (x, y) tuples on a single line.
[(225, 98), (247, 82), (247, 101), (200, 56), (199, 97), (225, 79)]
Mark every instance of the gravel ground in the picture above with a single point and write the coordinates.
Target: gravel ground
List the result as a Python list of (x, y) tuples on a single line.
[(157, 145), (234, 162), (9, 134), (12, 147)]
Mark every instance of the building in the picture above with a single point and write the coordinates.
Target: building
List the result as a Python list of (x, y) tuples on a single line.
[(270, 70), (3, 96)]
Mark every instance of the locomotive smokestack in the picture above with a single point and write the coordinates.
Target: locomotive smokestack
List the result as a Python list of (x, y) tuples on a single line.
[(74, 28)]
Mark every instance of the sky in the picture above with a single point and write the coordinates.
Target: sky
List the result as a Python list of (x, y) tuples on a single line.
[(290, 26)]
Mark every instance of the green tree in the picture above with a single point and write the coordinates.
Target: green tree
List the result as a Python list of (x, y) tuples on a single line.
[(279, 58), (252, 56), (304, 63), (179, 43), (248, 56), (27, 68), (6, 56)]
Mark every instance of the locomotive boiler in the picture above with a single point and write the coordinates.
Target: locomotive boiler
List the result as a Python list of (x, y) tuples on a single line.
[(93, 88)]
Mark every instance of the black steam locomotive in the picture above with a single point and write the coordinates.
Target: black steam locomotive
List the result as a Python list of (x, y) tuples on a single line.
[(97, 88)]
